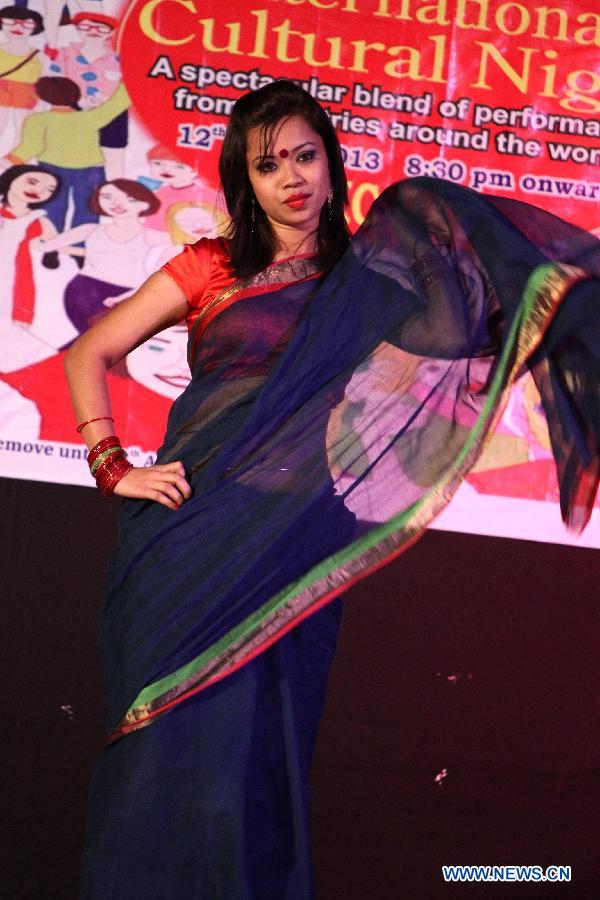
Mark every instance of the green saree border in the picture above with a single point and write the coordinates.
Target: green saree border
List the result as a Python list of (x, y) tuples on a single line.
[(545, 289)]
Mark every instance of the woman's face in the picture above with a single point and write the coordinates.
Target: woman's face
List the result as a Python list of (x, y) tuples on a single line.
[(97, 31), (292, 181), (119, 205), (196, 222), (17, 27), (32, 187), (173, 173), (160, 363)]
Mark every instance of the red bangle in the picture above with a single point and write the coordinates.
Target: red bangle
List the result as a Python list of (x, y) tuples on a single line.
[(111, 441), (89, 422), (111, 472), (104, 456)]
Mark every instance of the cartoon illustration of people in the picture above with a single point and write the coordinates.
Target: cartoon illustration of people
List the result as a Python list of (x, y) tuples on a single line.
[(20, 68), (174, 181), (93, 65), (24, 192), (187, 222), (65, 140), (33, 399), (120, 243), (160, 364)]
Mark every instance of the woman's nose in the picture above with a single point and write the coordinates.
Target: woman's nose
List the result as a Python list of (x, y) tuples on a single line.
[(291, 173)]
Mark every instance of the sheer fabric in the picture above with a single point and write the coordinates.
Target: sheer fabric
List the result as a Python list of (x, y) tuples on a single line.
[(330, 419)]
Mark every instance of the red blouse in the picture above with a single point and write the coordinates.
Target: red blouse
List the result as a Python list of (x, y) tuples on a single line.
[(202, 271)]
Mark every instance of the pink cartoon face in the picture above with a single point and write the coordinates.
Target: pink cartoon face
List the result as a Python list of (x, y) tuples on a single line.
[(160, 364), (172, 172), (32, 187), (88, 28), (196, 222), (119, 205), (17, 27)]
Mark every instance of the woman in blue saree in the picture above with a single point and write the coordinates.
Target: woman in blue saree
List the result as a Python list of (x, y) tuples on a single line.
[(340, 392)]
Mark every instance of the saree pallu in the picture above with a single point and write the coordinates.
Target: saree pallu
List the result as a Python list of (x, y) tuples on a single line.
[(327, 422)]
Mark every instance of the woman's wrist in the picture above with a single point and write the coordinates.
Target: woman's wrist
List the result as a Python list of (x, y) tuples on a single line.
[(108, 463)]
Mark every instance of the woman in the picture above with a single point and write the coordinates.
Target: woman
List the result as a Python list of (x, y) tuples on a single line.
[(20, 68), (220, 619), (187, 221), (24, 191), (119, 247)]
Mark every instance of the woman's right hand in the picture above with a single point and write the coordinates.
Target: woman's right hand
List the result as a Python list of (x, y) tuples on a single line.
[(164, 484)]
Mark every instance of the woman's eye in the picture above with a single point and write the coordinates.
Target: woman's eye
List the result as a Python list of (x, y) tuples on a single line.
[(266, 165), (306, 156)]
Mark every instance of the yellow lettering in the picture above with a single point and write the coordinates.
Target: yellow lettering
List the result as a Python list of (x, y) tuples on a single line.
[(333, 60), (410, 67), (550, 70), (594, 30), (383, 10), (283, 32), (260, 38), (318, 4), (520, 80), (361, 49), (146, 22), (404, 68), (501, 15), (361, 200), (578, 99), (562, 32), (232, 45), (439, 13), (461, 13)]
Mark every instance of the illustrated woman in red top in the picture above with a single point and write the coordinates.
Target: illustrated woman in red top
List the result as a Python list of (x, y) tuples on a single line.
[(340, 391), (24, 191)]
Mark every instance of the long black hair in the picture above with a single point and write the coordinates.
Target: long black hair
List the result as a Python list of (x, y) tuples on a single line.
[(10, 175), (251, 238)]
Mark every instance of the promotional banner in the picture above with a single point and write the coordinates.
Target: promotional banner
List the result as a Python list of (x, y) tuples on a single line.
[(125, 107)]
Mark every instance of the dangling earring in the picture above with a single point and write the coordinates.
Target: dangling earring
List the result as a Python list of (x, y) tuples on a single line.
[(252, 217), (330, 203)]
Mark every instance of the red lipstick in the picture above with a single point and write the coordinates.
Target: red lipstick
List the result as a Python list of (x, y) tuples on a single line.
[(297, 201)]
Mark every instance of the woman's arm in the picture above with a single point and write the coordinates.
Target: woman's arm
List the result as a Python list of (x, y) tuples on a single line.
[(72, 236), (158, 304), (48, 229)]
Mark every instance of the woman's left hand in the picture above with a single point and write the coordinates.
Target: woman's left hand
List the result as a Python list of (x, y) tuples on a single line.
[(164, 483)]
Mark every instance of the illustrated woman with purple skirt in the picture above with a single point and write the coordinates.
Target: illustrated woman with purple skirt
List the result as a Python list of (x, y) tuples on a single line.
[(341, 390), (120, 252)]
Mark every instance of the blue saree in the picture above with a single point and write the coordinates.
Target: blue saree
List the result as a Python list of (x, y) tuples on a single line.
[(328, 420)]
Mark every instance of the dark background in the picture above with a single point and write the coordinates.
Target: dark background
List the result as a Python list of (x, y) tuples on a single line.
[(462, 723)]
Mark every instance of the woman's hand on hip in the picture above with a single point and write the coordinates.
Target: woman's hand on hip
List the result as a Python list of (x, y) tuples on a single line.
[(164, 484)]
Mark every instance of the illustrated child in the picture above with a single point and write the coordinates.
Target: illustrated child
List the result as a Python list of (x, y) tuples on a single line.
[(173, 182)]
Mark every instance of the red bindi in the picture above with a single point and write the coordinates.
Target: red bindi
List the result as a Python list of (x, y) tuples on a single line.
[(283, 153)]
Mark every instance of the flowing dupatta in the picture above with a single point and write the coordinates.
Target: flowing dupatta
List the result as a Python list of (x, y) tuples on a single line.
[(322, 447)]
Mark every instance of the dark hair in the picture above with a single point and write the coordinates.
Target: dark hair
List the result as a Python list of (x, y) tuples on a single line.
[(10, 175), (17, 12), (251, 249), (132, 189), (58, 91)]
